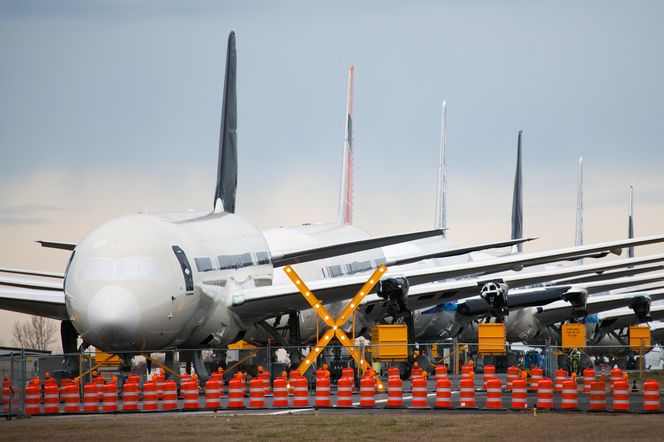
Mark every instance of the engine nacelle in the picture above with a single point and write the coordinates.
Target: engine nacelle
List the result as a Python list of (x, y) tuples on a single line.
[(394, 290), (495, 294), (577, 297)]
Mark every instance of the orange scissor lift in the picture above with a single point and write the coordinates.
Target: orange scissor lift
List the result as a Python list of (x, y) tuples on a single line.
[(335, 324)]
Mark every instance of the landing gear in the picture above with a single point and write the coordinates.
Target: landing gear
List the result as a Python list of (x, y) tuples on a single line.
[(69, 338)]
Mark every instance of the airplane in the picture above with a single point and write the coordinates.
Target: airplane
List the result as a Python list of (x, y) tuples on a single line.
[(194, 280)]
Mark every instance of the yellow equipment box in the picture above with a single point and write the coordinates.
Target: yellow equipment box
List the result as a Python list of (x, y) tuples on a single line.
[(240, 345), (491, 337), (639, 334), (389, 342), (574, 336), (103, 359)]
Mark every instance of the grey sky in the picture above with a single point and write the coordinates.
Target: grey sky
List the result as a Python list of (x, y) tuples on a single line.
[(111, 107)]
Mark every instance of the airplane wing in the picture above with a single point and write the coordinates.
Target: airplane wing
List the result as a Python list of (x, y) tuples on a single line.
[(47, 303), (608, 275), (31, 283), (33, 273), (560, 310)]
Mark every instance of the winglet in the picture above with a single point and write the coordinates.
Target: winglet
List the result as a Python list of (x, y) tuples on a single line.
[(517, 199), (227, 166), (345, 215), (441, 190)]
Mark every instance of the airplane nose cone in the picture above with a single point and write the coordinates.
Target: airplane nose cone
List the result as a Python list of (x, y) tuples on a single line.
[(114, 315)]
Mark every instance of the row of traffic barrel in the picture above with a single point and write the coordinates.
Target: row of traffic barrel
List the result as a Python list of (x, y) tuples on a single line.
[(293, 391)]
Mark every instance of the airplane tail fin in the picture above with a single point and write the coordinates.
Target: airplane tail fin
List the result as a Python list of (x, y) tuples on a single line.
[(630, 221), (441, 190), (517, 199), (578, 237), (224, 196), (345, 215)]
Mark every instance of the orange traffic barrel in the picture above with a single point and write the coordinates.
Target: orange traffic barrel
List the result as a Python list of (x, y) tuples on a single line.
[(72, 398), (393, 371), (216, 376), (394, 391), (110, 397), (189, 390), (368, 391), (323, 391), (519, 394), (545, 394), (212, 394), (512, 374), (292, 375), (169, 397), (345, 392), (300, 389), (419, 393), (467, 393), (441, 372), (136, 379), (588, 379), (569, 400), (651, 401), (235, 393), (51, 398), (616, 375), (256, 393), (99, 381), (620, 395), (6, 396), (489, 372), (150, 396), (415, 372), (536, 375), (265, 377), (32, 399), (90, 402), (597, 396), (280, 392), (561, 376), (160, 379), (443, 393), (494, 394), (130, 396)]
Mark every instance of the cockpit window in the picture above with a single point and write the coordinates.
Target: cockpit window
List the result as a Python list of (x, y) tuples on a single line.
[(262, 258), (203, 264), (186, 268)]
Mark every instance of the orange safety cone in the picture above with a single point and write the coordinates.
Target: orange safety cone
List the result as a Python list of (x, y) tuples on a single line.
[(536, 375), (651, 401), (394, 391), (90, 402), (494, 394), (419, 393), (169, 395), (443, 393), (467, 393), (300, 392), (110, 398), (32, 395), (597, 396), (620, 394), (280, 392), (323, 391), (72, 398), (367, 392), (588, 379), (130, 396), (51, 398), (235, 393), (561, 376), (150, 396), (512, 375), (345, 392), (519, 394), (212, 394), (545, 394), (569, 401)]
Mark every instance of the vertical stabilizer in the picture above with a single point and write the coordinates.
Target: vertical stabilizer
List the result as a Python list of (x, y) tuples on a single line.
[(224, 196), (630, 221), (346, 192), (578, 237), (517, 198), (441, 191)]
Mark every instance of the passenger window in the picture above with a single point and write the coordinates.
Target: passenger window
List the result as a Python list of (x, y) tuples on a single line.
[(186, 269)]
